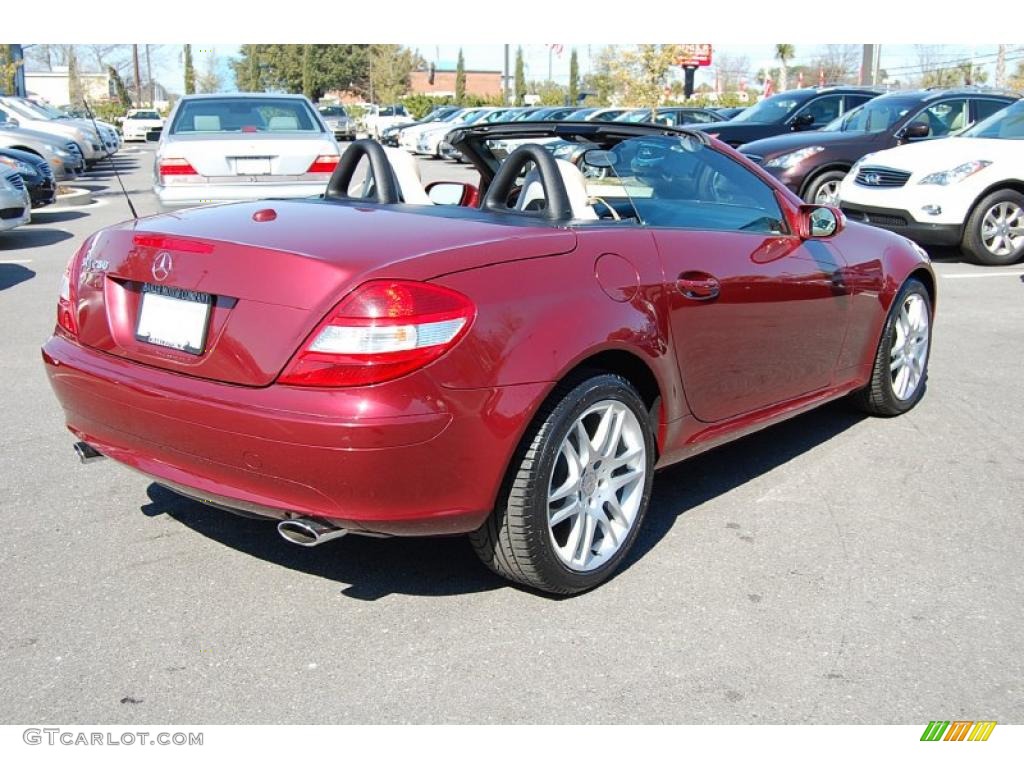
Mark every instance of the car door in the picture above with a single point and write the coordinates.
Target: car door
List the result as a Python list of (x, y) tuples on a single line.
[(757, 314)]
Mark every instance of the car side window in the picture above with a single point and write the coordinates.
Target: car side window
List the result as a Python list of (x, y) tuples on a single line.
[(680, 182), (943, 117), (823, 109), (984, 108), (852, 100)]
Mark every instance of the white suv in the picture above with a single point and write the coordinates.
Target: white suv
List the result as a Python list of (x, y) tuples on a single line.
[(966, 190)]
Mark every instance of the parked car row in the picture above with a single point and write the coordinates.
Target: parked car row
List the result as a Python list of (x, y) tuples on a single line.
[(934, 165), (41, 146)]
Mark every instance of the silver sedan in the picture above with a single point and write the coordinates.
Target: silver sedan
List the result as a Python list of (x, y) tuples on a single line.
[(225, 147)]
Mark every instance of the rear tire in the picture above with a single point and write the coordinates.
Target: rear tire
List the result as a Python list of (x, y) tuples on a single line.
[(900, 370), (570, 510), (994, 233)]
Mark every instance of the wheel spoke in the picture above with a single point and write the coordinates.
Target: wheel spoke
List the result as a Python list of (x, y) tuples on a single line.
[(621, 481), (628, 457), (563, 514), (585, 541), (586, 448)]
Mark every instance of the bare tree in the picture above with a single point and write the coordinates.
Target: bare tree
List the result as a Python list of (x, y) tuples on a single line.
[(731, 70), (210, 81), (839, 63)]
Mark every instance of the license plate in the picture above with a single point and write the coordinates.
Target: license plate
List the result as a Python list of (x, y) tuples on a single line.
[(252, 166), (173, 317)]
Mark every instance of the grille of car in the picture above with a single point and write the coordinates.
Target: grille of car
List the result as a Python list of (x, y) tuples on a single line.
[(16, 181), (45, 171), (759, 159), (874, 176), (884, 219)]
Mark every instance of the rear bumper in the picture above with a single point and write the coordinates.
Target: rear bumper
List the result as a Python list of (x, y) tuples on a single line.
[(201, 194), (902, 223), (403, 458)]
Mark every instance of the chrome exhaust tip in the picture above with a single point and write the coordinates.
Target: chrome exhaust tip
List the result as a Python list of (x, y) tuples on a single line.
[(307, 532), (87, 454)]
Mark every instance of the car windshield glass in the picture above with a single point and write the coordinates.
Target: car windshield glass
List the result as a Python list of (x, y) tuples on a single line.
[(393, 111), (144, 115), (333, 112), (876, 115), (771, 110), (1005, 124), (244, 115), (22, 110)]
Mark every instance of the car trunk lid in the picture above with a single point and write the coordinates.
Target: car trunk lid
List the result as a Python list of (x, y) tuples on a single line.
[(245, 284)]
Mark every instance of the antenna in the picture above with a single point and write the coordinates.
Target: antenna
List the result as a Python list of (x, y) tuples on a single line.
[(110, 157)]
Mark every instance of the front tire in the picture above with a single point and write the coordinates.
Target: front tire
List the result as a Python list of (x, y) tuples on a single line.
[(577, 492), (900, 370), (824, 189), (994, 234)]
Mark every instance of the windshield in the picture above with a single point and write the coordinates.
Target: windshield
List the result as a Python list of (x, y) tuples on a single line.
[(46, 110), (333, 111), (678, 181), (245, 115), (395, 110), (771, 110), (144, 115), (1007, 123), (876, 115)]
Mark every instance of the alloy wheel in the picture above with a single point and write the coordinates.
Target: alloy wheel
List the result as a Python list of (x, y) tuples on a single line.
[(1002, 228), (909, 352), (597, 485), (828, 193)]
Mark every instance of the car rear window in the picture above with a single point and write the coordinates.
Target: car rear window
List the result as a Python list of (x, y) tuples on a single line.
[(245, 115)]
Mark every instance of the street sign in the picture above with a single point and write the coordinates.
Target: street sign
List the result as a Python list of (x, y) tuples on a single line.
[(694, 55)]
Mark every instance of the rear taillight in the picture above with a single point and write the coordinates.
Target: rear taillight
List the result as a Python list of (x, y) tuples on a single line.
[(176, 166), (67, 301), (324, 164), (382, 330)]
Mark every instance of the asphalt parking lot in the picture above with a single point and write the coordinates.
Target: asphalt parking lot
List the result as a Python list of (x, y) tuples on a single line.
[(834, 569)]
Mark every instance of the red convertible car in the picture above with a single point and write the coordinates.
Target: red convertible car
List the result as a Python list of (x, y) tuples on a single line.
[(510, 360)]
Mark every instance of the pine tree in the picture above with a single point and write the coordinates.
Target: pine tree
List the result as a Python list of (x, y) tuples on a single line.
[(520, 79), (460, 79), (190, 72)]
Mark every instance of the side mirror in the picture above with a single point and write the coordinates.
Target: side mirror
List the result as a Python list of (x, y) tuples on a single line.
[(802, 122), (916, 131), (820, 221), (452, 193)]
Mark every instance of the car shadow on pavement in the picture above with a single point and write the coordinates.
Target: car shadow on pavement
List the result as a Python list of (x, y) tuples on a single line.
[(55, 216), (32, 238), (375, 568), (684, 486), (372, 568), (12, 274)]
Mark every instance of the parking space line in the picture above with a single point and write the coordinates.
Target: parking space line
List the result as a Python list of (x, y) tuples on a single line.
[(958, 275), (15, 261)]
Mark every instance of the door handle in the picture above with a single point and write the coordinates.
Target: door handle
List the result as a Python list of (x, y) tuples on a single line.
[(698, 286)]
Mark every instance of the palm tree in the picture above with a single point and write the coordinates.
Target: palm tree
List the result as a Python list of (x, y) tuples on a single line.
[(784, 52)]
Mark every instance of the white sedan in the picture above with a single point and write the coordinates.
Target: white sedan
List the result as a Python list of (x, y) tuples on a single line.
[(220, 148), (964, 190), (139, 122)]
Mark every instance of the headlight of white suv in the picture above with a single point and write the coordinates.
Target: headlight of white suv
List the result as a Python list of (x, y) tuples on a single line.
[(953, 175), (790, 159)]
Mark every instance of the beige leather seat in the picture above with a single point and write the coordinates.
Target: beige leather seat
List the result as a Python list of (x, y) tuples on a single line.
[(407, 172), (575, 186)]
